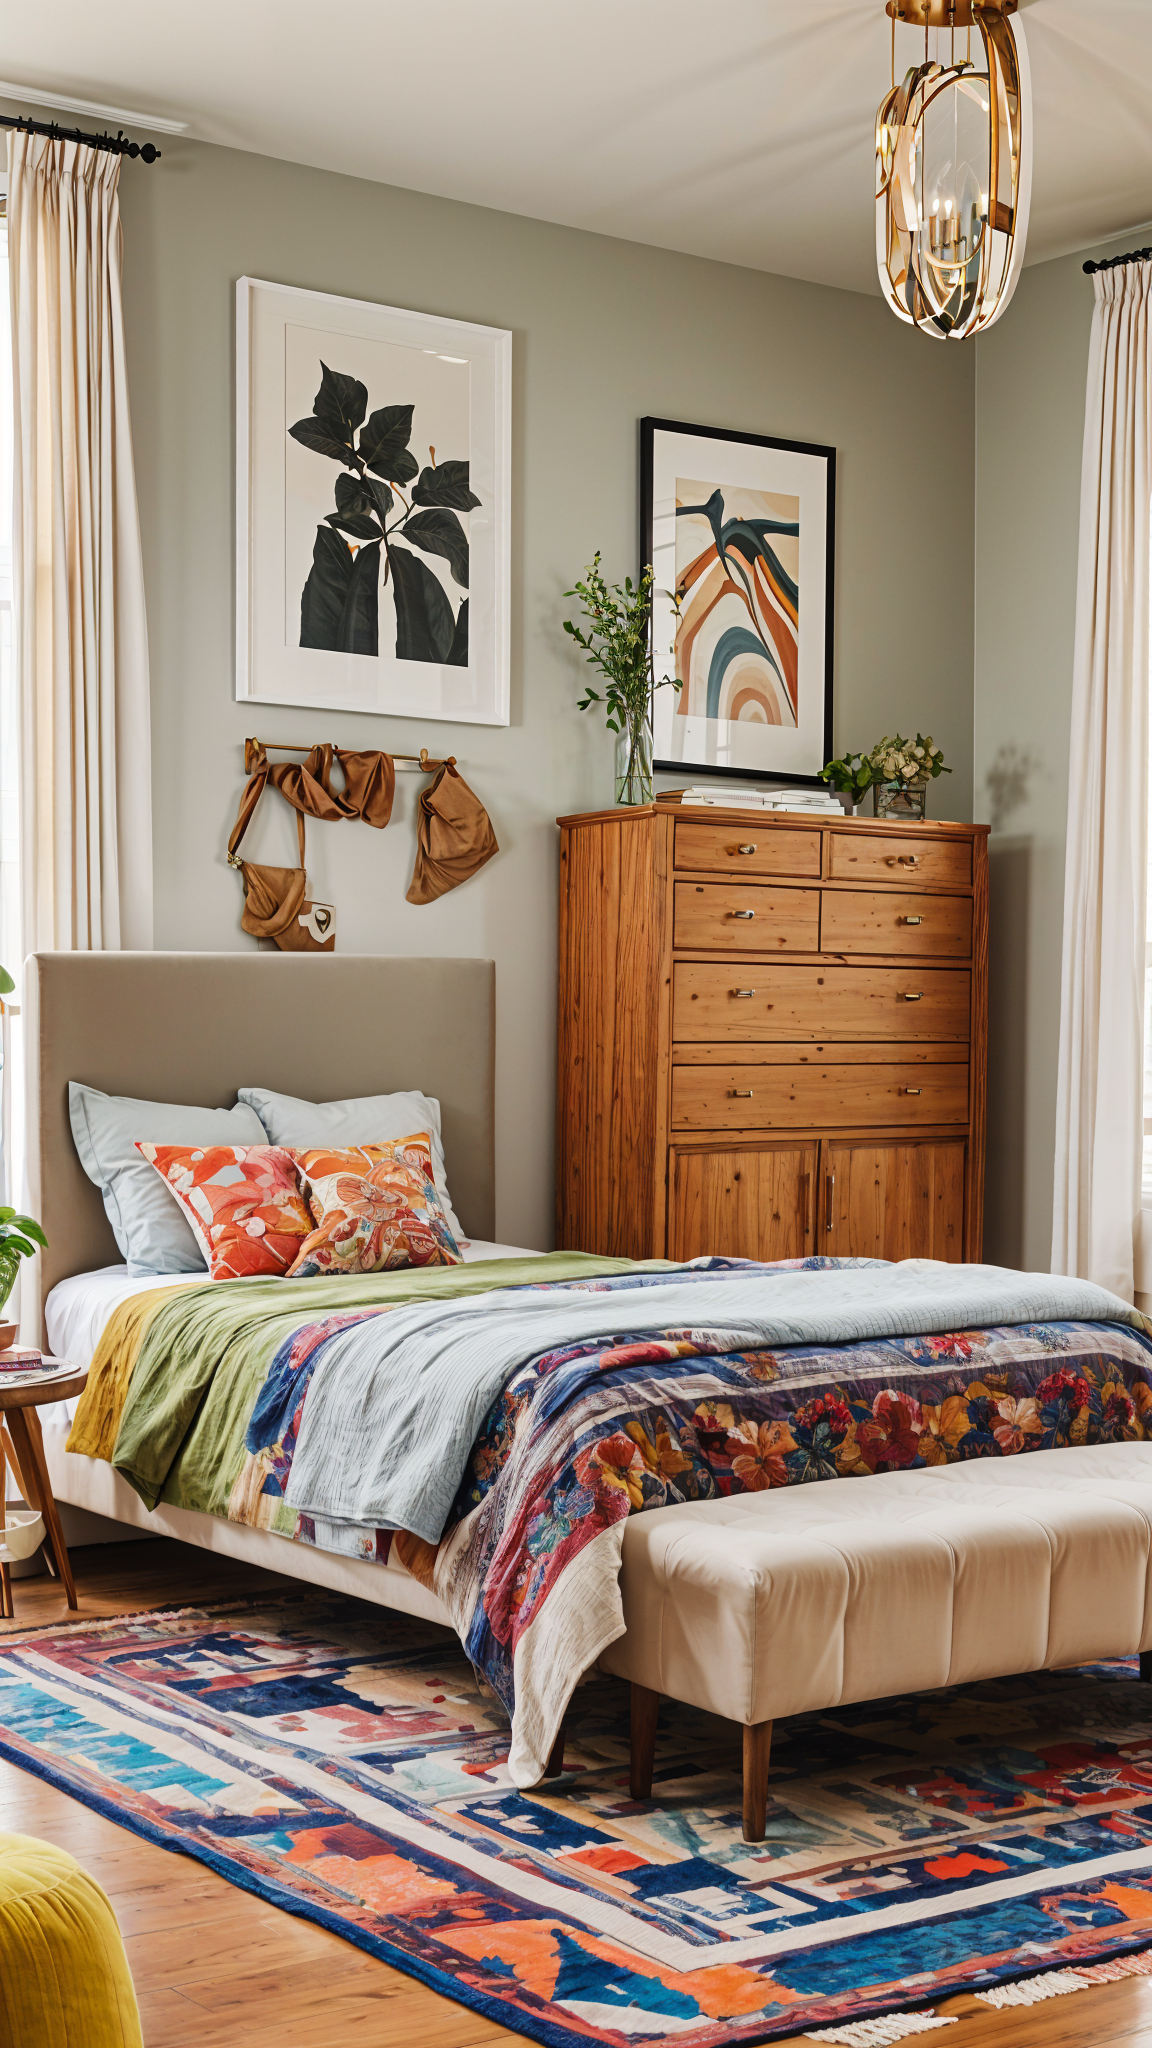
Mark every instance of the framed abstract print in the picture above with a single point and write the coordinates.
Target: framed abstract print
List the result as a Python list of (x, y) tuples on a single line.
[(373, 466), (742, 529)]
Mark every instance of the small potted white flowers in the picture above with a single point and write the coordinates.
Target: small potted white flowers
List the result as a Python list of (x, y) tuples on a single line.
[(897, 771)]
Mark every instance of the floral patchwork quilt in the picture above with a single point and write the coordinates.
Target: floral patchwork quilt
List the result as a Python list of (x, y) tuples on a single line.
[(586, 1434)]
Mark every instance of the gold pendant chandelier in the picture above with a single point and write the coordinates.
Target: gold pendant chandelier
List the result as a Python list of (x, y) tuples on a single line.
[(954, 167)]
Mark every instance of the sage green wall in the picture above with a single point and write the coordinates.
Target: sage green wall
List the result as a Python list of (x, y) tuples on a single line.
[(605, 331), (1031, 373)]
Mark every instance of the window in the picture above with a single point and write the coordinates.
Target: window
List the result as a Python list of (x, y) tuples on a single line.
[(11, 1093)]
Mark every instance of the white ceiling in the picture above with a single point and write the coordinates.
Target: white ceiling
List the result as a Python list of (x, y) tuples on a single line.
[(750, 142)]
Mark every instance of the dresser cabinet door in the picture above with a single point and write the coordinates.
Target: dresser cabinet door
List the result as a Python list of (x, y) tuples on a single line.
[(892, 1201), (743, 1204)]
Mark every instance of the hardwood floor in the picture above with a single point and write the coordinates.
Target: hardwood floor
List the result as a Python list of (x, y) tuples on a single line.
[(215, 1966)]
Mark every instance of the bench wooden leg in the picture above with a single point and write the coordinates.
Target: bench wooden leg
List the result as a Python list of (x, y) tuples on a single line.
[(757, 1750), (555, 1763), (642, 1747), (1146, 1666)]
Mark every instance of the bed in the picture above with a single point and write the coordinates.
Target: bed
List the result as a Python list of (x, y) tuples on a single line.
[(191, 1027), (546, 1452)]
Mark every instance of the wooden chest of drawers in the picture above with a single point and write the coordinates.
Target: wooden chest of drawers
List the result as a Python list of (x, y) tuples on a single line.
[(771, 1035)]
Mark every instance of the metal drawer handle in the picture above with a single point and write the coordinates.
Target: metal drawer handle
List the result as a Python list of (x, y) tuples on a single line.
[(745, 849), (900, 920), (752, 913), (740, 1091), (918, 997), (911, 1091), (829, 1197), (741, 993), (902, 860)]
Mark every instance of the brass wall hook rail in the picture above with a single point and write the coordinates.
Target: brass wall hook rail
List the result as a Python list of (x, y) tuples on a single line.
[(422, 763)]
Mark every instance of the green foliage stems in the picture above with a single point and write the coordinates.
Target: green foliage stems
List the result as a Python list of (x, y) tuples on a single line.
[(618, 643)]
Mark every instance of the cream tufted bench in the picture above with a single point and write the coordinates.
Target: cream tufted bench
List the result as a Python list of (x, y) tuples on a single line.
[(769, 1604)]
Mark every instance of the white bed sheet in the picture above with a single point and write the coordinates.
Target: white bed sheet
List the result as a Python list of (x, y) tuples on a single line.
[(77, 1310)]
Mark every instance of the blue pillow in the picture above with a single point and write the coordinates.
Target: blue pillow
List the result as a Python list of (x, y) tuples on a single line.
[(150, 1229)]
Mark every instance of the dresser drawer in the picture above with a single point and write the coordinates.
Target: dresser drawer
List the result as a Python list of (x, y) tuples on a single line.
[(755, 919), (751, 1097), (747, 849), (899, 855), (874, 921), (712, 1001)]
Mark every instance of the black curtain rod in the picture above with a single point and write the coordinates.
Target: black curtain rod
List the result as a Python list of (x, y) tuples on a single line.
[(1111, 262), (118, 144)]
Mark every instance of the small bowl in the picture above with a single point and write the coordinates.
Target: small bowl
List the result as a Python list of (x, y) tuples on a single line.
[(8, 1335), (23, 1533)]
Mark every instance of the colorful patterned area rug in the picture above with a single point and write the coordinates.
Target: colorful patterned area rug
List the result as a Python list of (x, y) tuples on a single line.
[(341, 1762)]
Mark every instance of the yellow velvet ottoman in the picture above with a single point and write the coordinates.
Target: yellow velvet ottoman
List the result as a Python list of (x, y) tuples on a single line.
[(64, 1976)]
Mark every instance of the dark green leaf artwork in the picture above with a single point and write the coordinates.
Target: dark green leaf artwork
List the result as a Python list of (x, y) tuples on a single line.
[(425, 628), (322, 604), (355, 545), (440, 533), (384, 444), (458, 654), (446, 484), (343, 400), (321, 437), (340, 606)]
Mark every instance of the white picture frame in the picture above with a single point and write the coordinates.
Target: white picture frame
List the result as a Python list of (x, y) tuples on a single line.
[(304, 617)]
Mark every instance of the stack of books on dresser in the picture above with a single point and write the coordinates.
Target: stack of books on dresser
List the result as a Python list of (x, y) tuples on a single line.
[(818, 802)]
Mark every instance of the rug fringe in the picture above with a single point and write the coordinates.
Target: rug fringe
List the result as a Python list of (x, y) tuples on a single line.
[(1058, 1983), (881, 2033)]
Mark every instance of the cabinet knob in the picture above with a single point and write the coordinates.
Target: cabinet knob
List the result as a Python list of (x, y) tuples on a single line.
[(752, 913), (913, 996), (740, 1091), (910, 1091), (900, 920), (745, 849), (742, 993)]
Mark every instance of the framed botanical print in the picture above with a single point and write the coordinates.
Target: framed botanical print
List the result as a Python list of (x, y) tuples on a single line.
[(740, 531), (373, 466)]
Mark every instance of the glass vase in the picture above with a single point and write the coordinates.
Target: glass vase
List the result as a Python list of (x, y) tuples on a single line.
[(634, 759), (899, 799)]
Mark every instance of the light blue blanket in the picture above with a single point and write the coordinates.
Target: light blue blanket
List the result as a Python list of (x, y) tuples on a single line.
[(397, 1402)]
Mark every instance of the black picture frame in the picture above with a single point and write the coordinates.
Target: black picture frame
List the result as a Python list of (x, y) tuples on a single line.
[(650, 427)]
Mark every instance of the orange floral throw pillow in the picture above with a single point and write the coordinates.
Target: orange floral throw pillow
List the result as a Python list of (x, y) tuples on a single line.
[(242, 1201), (375, 1207)]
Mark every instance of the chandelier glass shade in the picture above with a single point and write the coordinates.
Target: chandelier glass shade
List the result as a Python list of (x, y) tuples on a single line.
[(954, 167)]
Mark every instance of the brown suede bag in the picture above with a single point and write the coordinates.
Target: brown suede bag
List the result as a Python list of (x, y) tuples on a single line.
[(276, 901), (454, 836)]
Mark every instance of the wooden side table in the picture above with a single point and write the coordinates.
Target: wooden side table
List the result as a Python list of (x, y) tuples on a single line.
[(23, 1444)]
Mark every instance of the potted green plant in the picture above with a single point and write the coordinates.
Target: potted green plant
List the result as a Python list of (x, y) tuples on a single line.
[(19, 1236), (617, 643), (896, 770)]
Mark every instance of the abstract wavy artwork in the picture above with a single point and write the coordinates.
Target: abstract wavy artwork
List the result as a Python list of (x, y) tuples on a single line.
[(733, 524), (738, 575)]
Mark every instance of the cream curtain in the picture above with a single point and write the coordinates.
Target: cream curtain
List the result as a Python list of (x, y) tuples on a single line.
[(78, 588), (1099, 1112)]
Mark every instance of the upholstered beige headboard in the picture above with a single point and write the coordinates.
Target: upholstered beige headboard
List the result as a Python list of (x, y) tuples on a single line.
[(195, 1027)]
